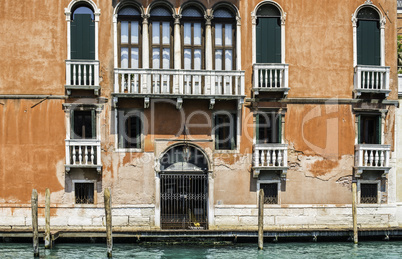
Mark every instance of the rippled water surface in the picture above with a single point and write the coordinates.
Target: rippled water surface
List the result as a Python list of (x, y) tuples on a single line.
[(278, 250)]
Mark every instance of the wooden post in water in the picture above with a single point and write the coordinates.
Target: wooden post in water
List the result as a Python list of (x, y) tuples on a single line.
[(108, 213), (261, 220), (34, 208), (48, 242), (354, 212)]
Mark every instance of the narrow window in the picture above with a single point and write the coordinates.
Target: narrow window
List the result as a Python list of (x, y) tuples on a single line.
[(84, 193), (270, 193), (83, 34), (368, 37), (224, 39), (83, 124), (370, 129), (193, 39), (269, 128), (368, 193), (225, 131), (161, 38), (130, 129), (129, 27), (268, 32)]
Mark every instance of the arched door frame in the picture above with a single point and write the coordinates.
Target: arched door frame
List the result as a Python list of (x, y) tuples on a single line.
[(211, 209)]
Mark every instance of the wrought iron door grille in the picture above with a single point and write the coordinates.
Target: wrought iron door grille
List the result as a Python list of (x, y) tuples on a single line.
[(270, 193), (84, 193), (184, 200), (368, 193)]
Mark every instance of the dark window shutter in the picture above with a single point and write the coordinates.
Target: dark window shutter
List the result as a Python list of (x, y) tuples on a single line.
[(279, 127), (378, 130), (359, 129), (368, 43), (72, 134), (82, 37), (93, 124), (138, 131), (268, 49), (257, 128), (233, 132), (216, 121)]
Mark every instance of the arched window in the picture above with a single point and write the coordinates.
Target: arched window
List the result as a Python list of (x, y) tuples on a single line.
[(268, 34), (368, 37), (82, 33), (161, 37), (129, 33), (224, 39), (192, 26)]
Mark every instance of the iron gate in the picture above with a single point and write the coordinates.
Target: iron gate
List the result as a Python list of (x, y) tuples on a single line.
[(184, 199)]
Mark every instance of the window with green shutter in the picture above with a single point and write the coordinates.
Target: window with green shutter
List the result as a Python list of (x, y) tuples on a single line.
[(129, 128), (369, 129), (225, 130), (83, 124), (269, 127), (368, 37), (83, 34), (268, 32)]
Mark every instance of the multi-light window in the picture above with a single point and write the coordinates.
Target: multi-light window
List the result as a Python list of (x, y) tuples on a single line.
[(129, 27)]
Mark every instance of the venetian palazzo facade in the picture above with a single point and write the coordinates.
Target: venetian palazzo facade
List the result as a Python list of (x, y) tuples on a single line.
[(186, 109)]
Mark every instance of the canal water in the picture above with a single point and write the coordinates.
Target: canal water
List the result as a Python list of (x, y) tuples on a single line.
[(385, 249)]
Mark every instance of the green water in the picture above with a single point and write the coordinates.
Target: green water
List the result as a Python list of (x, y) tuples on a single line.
[(272, 250)]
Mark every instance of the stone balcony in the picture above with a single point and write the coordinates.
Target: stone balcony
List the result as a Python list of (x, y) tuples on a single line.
[(372, 80), (271, 78), (270, 157), (83, 153), (82, 75), (372, 157), (178, 84)]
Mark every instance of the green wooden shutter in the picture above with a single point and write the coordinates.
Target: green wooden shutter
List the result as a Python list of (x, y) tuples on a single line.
[(257, 128), (233, 131), (279, 128), (358, 118), (138, 130), (277, 40), (268, 45), (368, 43), (216, 121), (379, 130), (260, 34), (93, 123), (82, 37), (72, 134), (120, 128)]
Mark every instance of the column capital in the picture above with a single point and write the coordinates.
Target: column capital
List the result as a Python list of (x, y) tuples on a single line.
[(383, 21), (176, 18), (208, 18), (145, 18), (253, 18), (354, 20), (238, 20), (283, 19)]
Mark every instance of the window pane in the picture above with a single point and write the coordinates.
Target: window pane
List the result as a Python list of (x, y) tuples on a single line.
[(82, 124), (124, 32), (218, 34), (166, 58), (166, 33), (228, 35), (197, 33), (187, 58), (134, 58), (155, 58), (218, 59), (124, 58), (228, 60), (155, 33), (134, 32), (197, 59), (187, 33)]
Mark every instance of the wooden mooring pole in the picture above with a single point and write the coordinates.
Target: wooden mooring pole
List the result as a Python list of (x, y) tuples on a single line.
[(261, 220), (48, 242), (354, 212), (34, 208), (108, 213)]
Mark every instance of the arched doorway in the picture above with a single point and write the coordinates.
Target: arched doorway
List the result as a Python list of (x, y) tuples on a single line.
[(184, 188)]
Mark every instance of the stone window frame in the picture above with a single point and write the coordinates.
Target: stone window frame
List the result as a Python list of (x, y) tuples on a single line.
[(379, 192), (259, 182), (369, 4), (116, 127), (95, 193), (238, 131), (254, 30)]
